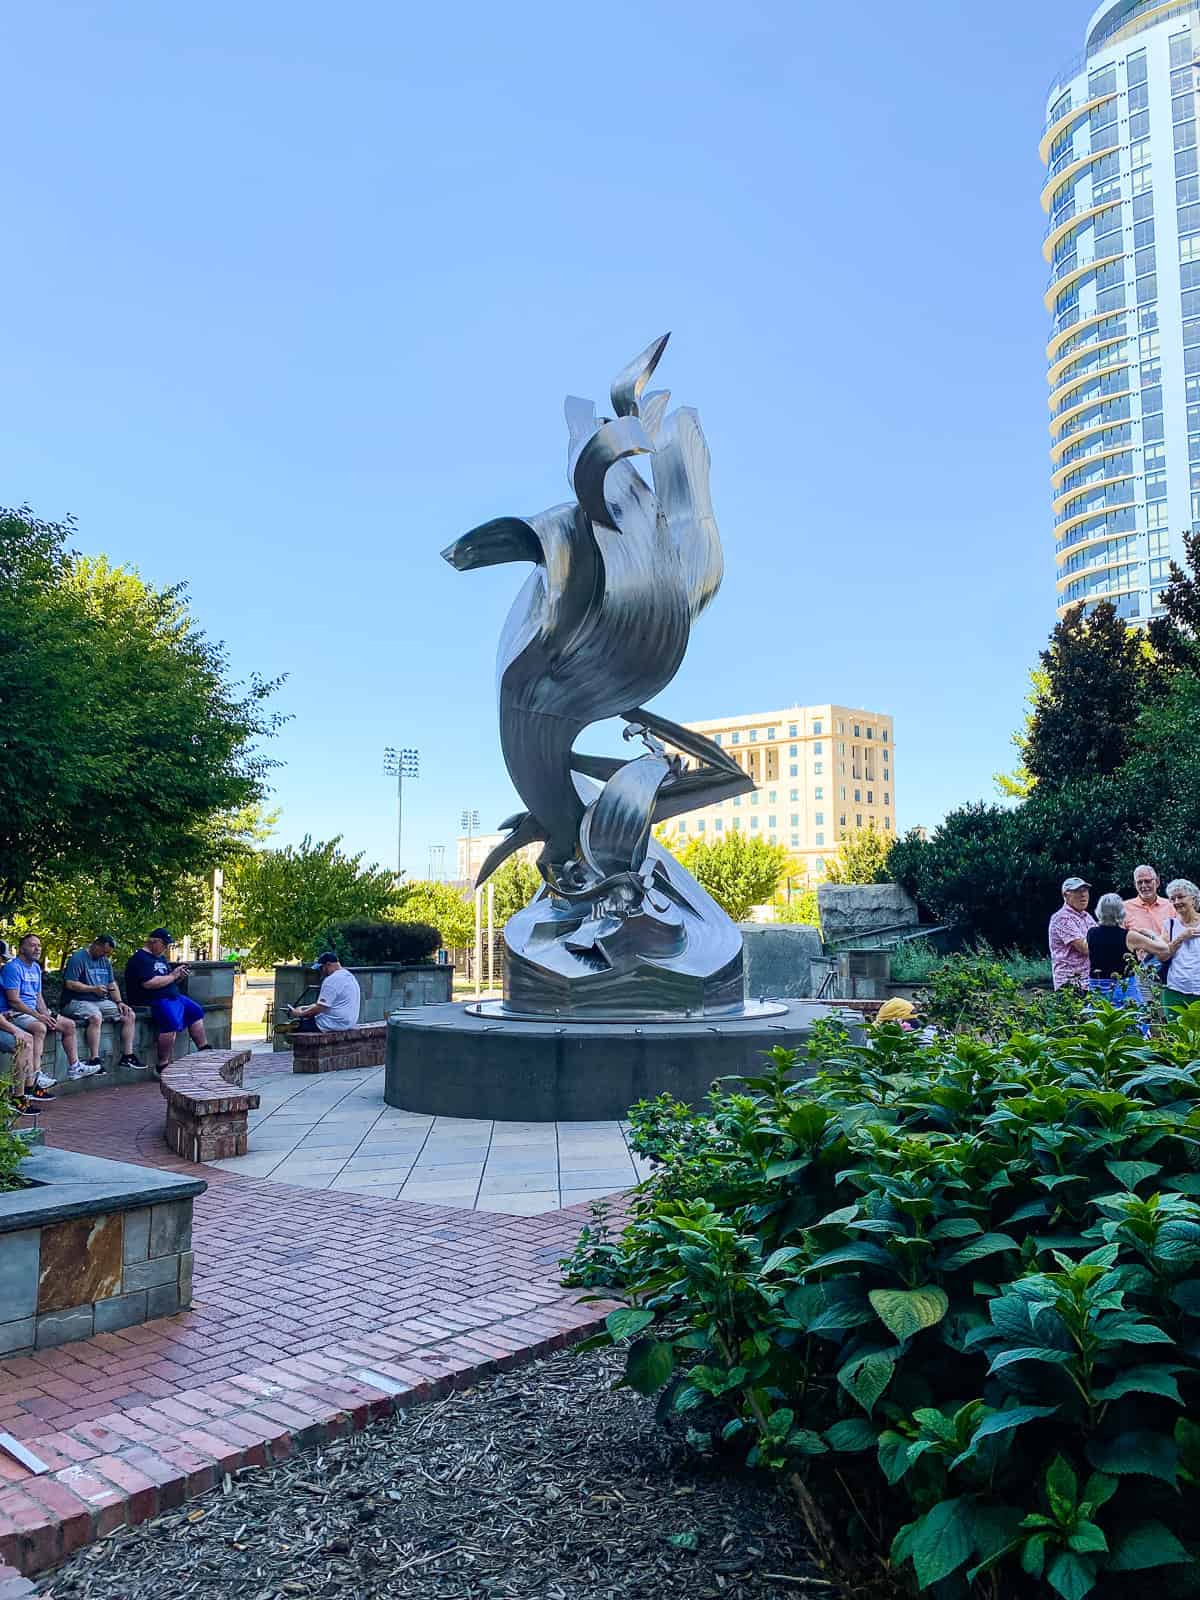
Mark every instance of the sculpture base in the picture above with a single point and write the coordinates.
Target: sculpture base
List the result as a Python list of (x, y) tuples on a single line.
[(450, 1061)]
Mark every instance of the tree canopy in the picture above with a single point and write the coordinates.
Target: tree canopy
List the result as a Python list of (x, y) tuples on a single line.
[(126, 742), (442, 907), (514, 885), (861, 857), (279, 902), (739, 870)]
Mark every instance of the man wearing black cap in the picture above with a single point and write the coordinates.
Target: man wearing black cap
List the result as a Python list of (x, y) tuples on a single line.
[(151, 980), (338, 1002), (91, 996)]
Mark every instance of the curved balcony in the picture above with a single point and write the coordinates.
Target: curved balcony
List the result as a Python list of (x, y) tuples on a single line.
[(1057, 232), (1133, 22), (1103, 448), (1063, 528), (1119, 582), (1067, 280), (1060, 430), (1058, 401), (1080, 351), (1059, 339), (1072, 170), (1065, 495), (1052, 129), (1060, 446)]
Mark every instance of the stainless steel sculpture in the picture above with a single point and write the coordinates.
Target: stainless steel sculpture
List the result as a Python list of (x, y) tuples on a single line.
[(618, 929)]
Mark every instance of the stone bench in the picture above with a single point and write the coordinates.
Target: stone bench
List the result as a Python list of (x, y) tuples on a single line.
[(207, 1106), (339, 1049)]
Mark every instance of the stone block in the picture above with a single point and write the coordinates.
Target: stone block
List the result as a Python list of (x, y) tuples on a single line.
[(163, 1299), (186, 1260), (80, 1261), (171, 1228), (137, 1234), (60, 1327), (19, 1273), (779, 958), (18, 1335), (122, 1311), (853, 910), (149, 1274)]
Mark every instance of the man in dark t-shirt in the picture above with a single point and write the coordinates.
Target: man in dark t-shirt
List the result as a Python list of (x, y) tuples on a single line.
[(151, 980)]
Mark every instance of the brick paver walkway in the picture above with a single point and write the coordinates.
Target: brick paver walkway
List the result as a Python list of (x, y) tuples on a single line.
[(314, 1310)]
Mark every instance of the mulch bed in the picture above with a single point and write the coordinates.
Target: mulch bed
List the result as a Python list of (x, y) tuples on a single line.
[(540, 1484)]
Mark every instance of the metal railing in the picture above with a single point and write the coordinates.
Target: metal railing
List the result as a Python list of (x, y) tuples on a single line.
[(1125, 25)]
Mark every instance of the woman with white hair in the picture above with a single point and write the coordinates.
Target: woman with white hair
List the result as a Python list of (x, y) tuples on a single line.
[(1110, 944), (1181, 981)]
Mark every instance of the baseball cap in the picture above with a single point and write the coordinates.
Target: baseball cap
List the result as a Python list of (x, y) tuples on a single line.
[(1075, 883), (161, 933), (326, 955), (105, 938)]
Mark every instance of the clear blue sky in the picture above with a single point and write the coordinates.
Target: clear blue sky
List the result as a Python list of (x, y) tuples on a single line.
[(293, 294)]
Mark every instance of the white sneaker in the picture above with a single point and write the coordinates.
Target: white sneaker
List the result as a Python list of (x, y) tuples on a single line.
[(81, 1069), (44, 1081)]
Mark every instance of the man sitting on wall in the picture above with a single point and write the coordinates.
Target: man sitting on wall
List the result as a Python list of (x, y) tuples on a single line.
[(21, 980), (91, 996), (151, 980), (20, 1046), (338, 1001)]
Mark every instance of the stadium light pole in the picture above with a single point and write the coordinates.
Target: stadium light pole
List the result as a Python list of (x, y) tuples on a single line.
[(400, 764)]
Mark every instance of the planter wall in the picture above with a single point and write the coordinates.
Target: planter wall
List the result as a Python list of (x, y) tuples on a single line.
[(384, 989), (93, 1246)]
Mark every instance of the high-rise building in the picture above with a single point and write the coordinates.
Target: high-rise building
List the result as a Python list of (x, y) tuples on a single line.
[(1123, 196), (819, 773)]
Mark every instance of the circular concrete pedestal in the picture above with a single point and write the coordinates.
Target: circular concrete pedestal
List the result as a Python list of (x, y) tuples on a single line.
[(444, 1061)]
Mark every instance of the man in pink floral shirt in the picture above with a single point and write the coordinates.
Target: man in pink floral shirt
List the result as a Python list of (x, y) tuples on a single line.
[(1069, 961)]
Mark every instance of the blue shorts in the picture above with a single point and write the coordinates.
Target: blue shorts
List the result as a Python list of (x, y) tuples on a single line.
[(173, 1015)]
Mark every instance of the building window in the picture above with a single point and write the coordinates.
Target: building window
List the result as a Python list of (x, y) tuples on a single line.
[(817, 725), (773, 839), (1181, 49), (885, 774), (842, 792), (771, 824), (716, 738), (887, 823), (753, 735), (818, 748), (858, 796), (794, 750), (818, 768), (870, 797), (754, 798), (771, 798), (883, 735), (701, 825), (842, 820), (820, 838), (819, 792), (819, 819), (858, 820), (735, 738), (793, 771), (887, 799), (792, 730), (819, 864), (754, 822), (793, 794), (795, 819), (737, 799), (857, 731), (683, 824), (795, 841)]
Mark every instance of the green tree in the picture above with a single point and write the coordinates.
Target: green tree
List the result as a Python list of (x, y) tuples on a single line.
[(514, 886), (1097, 675), (862, 857), (1019, 784), (1176, 635), (801, 908), (739, 871), (442, 907), (124, 736), (278, 902)]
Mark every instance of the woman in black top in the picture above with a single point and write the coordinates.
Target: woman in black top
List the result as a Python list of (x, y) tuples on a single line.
[(1110, 944)]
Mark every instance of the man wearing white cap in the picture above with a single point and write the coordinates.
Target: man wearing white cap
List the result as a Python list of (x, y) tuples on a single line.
[(1069, 959)]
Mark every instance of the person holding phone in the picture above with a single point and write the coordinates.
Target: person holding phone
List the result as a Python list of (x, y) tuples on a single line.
[(151, 980)]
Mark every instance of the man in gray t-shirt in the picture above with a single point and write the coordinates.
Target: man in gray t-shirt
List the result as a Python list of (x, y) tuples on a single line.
[(338, 1002), (91, 995)]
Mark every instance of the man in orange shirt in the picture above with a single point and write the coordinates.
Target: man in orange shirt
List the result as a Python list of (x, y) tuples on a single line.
[(1147, 912)]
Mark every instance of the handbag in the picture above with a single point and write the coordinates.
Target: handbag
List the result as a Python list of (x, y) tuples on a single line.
[(1164, 966)]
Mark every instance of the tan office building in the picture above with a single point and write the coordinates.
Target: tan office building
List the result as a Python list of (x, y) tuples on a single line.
[(819, 773)]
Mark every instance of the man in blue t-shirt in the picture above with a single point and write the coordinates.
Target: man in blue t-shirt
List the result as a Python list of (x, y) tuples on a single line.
[(21, 981), (151, 980)]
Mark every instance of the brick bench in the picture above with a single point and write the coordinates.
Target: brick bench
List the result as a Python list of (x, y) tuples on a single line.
[(206, 1105), (339, 1049)]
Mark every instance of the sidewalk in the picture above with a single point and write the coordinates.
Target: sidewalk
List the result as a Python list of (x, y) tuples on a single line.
[(314, 1311)]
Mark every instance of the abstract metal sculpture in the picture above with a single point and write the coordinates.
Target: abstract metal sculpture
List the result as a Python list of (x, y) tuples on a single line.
[(619, 929)]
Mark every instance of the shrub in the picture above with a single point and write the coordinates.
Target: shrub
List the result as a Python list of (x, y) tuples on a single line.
[(13, 1148), (373, 944), (952, 1290)]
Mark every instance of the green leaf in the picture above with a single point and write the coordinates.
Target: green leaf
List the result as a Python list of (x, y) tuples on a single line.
[(1186, 1296), (1099, 1490), (648, 1365), (941, 1541), (628, 1320), (1141, 1380), (1151, 1455), (1062, 1487), (785, 1169), (894, 1458), (807, 1442), (1088, 1539), (1130, 1173), (866, 1254), (852, 1435), (954, 1228), (1071, 1575), (907, 1311), (986, 1245), (866, 1377), (1030, 1352), (1001, 1422), (1150, 1544), (780, 1258)]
